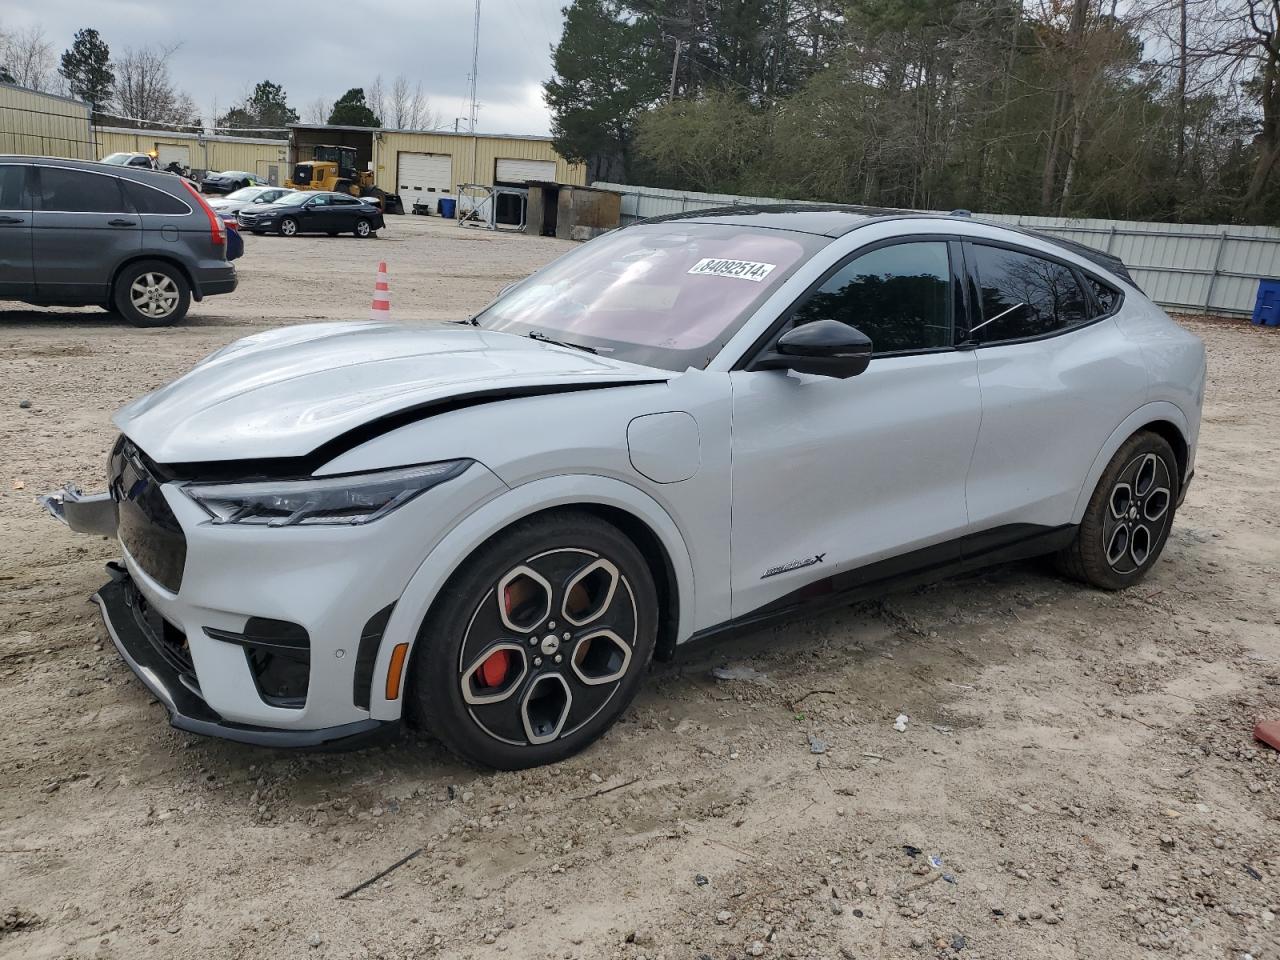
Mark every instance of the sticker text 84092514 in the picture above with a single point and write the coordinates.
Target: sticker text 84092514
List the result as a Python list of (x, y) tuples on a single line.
[(738, 269)]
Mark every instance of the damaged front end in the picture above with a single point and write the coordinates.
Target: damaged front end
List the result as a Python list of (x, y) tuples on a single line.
[(96, 514)]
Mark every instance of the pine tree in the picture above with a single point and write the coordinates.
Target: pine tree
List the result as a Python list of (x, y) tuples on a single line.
[(267, 106), (352, 111), (87, 67), (610, 66)]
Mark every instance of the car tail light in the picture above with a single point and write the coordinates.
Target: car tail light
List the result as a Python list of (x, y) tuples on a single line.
[(217, 229)]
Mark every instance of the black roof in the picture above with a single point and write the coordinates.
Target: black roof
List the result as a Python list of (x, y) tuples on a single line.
[(835, 220), (823, 220)]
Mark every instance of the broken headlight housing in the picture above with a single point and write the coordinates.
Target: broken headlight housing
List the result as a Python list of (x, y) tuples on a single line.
[(328, 501)]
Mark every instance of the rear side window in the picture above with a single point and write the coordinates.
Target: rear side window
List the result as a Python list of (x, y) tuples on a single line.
[(1108, 298), (149, 200), (1024, 296), (345, 201), (12, 180), (74, 191), (899, 296)]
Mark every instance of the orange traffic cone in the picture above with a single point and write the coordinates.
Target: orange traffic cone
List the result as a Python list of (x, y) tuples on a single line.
[(381, 308)]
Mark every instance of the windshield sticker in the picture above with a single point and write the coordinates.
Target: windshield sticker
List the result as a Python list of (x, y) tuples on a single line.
[(738, 269)]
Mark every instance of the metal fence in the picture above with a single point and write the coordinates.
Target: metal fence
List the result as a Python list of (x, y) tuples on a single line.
[(1181, 266)]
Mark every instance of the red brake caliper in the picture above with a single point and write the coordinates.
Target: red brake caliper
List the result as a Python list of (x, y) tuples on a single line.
[(494, 670)]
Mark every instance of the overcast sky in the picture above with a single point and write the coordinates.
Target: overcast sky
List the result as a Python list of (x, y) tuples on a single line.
[(323, 47)]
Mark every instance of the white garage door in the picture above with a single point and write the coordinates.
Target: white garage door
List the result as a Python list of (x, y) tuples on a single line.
[(422, 177), (168, 153), (520, 171)]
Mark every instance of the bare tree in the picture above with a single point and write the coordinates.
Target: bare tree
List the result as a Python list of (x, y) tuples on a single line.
[(399, 104), (318, 110), (406, 107), (375, 96), (422, 116), (28, 56), (145, 92)]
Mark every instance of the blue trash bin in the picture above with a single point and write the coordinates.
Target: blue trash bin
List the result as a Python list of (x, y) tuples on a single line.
[(447, 205), (1266, 309)]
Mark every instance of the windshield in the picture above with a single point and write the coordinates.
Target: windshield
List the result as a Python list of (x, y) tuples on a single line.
[(668, 295), (298, 196), (246, 193), (119, 159)]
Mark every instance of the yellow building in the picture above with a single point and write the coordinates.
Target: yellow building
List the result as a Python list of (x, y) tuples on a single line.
[(263, 157), (44, 124), (424, 166)]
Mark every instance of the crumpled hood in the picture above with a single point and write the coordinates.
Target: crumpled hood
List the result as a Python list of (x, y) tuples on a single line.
[(285, 392)]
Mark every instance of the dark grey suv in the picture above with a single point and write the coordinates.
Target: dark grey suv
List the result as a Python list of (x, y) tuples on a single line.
[(137, 241)]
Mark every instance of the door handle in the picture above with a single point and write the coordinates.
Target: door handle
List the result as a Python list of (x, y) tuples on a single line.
[(12, 220), (118, 222)]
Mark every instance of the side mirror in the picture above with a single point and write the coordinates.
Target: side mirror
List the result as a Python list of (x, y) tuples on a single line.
[(827, 348)]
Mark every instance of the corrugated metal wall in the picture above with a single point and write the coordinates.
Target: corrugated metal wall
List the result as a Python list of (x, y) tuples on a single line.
[(1178, 265), (206, 153), (44, 125), (474, 158)]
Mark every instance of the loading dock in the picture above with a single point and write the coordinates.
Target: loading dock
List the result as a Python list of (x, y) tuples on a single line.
[(422, 179)]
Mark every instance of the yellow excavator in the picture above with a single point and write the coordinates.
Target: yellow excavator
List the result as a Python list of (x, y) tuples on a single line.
[(334, 168)]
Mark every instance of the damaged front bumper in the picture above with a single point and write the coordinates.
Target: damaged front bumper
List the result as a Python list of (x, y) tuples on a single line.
[(97, 514), (153, 657)]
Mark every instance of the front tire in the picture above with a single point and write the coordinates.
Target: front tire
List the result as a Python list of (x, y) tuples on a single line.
[(537, 644), (152, 293), (288, 227), (1127, 521)]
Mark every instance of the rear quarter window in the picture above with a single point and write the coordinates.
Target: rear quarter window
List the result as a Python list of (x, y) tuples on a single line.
[(150, 200), (1105, 296)]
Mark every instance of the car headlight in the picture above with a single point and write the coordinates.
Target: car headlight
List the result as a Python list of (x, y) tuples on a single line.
[(346, 500)]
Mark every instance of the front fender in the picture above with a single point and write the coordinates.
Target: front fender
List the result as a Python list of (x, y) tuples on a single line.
[(496, 515), (1147, 413)]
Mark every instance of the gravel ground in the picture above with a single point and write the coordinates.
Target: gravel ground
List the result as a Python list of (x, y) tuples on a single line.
[(1077, 778)]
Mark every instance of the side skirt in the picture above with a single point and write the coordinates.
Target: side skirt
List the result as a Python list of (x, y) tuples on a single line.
[(1019, 541)]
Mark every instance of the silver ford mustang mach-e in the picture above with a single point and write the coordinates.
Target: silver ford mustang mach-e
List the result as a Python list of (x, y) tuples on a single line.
[(685, 426)]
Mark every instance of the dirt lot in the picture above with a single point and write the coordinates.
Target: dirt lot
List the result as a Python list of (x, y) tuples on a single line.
[(1080, 762)]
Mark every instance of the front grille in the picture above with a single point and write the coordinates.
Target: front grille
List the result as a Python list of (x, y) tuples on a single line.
[(148, 529)]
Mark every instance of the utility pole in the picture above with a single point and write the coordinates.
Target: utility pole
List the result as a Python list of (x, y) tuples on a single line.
[(675, 66), (475, 69)]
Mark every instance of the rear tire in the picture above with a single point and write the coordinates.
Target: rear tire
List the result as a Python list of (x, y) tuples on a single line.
[(1127, 521), (510, 674), (363, 229), (151, 293)]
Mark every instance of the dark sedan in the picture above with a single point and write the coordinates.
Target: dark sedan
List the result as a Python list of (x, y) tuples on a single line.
[(313, 212), (228, 181)]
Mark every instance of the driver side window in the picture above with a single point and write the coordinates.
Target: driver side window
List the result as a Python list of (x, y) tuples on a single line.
[(899, 296)]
